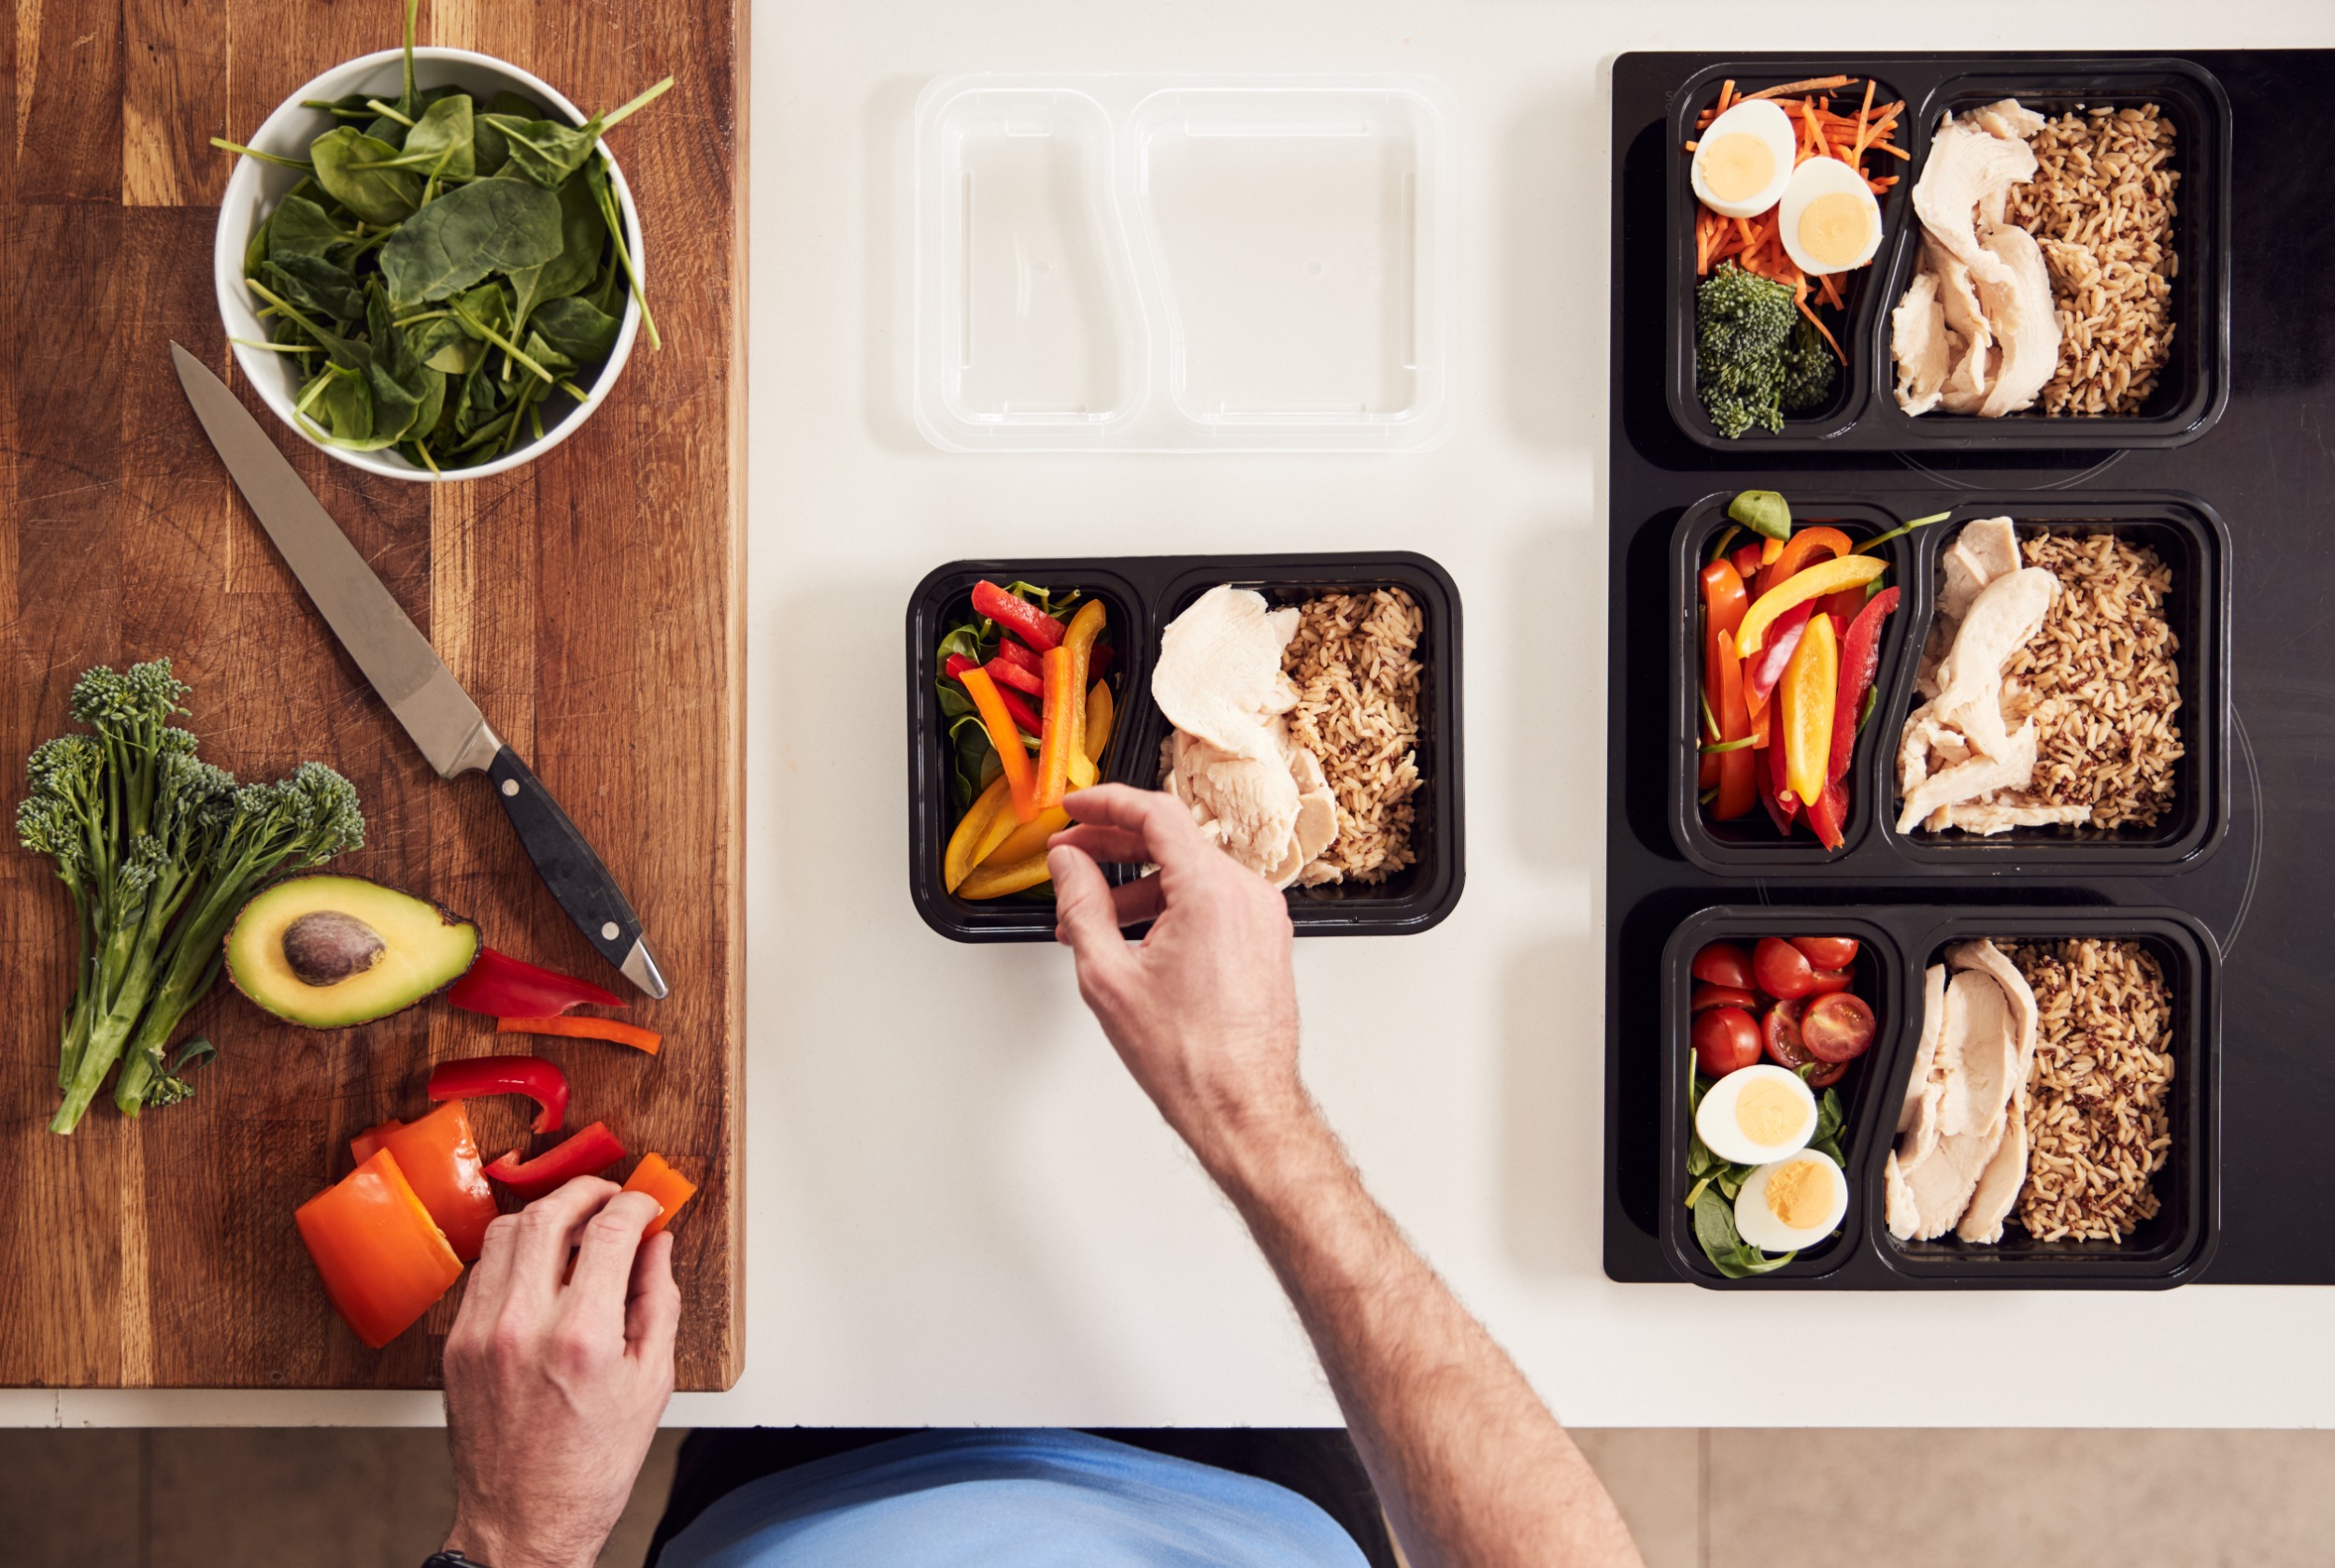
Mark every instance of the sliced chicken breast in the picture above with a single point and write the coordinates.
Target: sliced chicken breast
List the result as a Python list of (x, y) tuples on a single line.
[(2025, 322), (1898, 1208), (1918, 344), (1998, 1190)]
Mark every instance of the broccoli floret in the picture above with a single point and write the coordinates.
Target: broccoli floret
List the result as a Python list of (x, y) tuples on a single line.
[(1743, 324), (1809, 369), (158, 851)]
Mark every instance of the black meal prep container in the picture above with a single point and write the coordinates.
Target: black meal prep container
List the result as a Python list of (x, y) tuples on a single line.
[(2184, 532), (1142, 595), (2193, 388), (1902, 940)]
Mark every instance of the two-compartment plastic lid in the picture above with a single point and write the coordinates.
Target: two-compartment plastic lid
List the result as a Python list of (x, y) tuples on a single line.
[(1125, 263)]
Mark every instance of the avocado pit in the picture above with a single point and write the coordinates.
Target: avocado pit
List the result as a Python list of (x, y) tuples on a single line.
[(326, 947)]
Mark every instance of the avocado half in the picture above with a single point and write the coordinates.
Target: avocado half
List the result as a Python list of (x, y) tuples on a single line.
[(328, 951)]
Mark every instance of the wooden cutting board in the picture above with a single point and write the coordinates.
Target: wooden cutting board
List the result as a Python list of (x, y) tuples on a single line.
[(588, 601)]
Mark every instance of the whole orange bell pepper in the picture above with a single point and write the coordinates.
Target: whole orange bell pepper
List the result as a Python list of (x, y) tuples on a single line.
[(1804, 698), (1020, 778), (384, 1262)]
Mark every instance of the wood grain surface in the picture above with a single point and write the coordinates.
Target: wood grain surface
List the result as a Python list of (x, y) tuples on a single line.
[(588, 601)]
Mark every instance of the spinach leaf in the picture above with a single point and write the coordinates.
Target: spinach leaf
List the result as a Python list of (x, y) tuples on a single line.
[(440, 143), (488, 226), (485, 312), (580, 331), (548, 152), (378, 195), (1715, 1228), (582, 236), (399, 382), (299, 227), (348, 408), (409, 101), (442, 345), (314, 284)]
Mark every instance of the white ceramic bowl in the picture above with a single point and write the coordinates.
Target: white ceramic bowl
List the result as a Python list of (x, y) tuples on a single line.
[(256, 188)]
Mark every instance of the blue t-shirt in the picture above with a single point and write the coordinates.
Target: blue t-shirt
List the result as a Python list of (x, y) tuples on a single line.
[(999, 1499)]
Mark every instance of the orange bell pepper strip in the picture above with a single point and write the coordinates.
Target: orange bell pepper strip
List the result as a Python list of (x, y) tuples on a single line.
[(1829, 577), (1804, 698), (614, 1029), (1078, 642), (1062, 730), (383, 1260), (441, 1163), (1738, 789), (1798, 549), (661, 1181), (1020, 778)]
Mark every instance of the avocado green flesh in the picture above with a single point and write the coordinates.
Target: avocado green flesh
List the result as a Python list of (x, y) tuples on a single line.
[(424, 947)]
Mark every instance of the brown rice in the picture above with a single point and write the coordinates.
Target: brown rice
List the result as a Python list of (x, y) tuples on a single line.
[(2097, 1126), (1358, 711), (2101, 206), (2102, 680)]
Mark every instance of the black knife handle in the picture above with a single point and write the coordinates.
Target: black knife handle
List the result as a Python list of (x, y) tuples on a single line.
[(565, 859)]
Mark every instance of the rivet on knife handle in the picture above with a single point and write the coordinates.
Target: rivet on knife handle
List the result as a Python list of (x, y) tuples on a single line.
[(572, 873)]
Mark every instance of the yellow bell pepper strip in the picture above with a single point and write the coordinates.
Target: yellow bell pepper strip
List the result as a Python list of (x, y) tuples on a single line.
[(661, 1181), (1804, 698), (1062, 730), (1827, 576), (1097, 722), (383, 1260), (1029, 839), (983, 827), (996, 882), (1078, 642), (1020, 779)]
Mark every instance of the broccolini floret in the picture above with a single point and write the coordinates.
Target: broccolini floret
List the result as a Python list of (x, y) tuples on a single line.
[(1809, 369), (157, 850), (1742, 323)]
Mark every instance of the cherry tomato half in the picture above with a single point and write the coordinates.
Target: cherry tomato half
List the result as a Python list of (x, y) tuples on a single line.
[(1837, 1027), (1782, 970), (1724, 963), (1780, 1033), (1830, 980), (1827, 1074), (1725, 1040), (1724, 996), (1828, 952)]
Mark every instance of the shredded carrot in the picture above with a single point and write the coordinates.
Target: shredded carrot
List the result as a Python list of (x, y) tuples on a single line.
[(1862, 115), (1727, 93), (1693, 145), (1826, 331)]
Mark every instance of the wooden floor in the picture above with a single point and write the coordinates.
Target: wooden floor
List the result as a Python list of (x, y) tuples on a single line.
[(211, 1497)]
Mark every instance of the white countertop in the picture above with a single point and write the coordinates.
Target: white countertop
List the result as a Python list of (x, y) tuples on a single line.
[(956, 1220)]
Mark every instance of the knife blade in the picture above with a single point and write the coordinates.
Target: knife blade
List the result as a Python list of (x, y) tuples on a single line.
[(407, 676)]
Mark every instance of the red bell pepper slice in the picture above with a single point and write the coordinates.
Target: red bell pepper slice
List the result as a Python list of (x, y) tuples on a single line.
[(1015, 652), (1017, 615), (1747, 560), (1860, 660), (383, 1260), (1738, 786), (1019, 711), (1724, 597), (661, 1181), (593, 1148), (1763, 669), (1097, 664), (1829, 814), (539, 1080), (504, 986), (615, 1030), (1014, 676), (440, 1160)]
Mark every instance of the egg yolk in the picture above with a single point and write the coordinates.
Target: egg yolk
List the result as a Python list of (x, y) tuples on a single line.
[(1768, 1112), (1737, 167), (1797, 1195), (1833, 228)]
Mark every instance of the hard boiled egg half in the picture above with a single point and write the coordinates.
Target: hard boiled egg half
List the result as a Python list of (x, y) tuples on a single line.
[(1757, 1114), (1828, 218), (1791, 1204), (1744, 161)]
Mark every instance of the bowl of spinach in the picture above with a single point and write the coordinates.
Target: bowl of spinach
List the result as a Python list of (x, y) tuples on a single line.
[(429, 265)]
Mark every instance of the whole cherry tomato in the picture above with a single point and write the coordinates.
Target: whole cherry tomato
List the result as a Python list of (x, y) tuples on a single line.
[(1724, 963), (1725, 1040), (1782, 970), (1828, 952)]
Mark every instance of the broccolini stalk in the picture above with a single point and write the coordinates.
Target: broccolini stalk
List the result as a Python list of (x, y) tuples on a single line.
[(287, 828)]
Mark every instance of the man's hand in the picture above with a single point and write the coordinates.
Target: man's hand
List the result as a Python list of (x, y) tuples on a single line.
[(1203, 1012), (554, 1382)]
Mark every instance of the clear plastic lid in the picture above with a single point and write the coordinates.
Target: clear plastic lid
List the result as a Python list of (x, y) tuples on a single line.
[(1172, 264)]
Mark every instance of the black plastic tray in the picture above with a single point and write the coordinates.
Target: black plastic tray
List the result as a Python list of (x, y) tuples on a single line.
[(1863, 416), (2169, 1249), (1142, 595), (2186, 532)]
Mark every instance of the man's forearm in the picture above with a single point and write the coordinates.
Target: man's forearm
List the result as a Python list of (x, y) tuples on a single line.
[(1472, 1468)]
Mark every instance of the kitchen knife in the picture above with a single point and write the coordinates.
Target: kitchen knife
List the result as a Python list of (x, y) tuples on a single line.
[(439, 714)]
